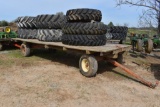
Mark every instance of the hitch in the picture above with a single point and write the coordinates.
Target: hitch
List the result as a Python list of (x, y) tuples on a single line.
[(151, 85)]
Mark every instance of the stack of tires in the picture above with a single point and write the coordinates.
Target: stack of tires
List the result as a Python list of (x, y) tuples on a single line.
[(117, 33), (83, 28), (27, 27), (49, 27)]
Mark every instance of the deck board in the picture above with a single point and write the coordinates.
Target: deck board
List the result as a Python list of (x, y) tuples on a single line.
[(105, 48), (3, 40)]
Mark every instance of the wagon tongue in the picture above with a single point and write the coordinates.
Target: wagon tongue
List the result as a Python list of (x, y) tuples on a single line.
[(154, 85), (151, 85), (133, 74)]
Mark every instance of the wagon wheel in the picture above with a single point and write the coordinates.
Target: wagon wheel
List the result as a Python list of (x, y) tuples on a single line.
[(139, 45), (88, 65), (25, 49), (1, 47), (149, 46)]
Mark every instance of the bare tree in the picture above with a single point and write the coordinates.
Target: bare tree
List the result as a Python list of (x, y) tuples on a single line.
[(150, 16)]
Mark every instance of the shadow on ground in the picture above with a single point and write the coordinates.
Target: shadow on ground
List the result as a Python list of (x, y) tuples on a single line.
[(69, 59), (8, 47), (72, 59), (155, 68)]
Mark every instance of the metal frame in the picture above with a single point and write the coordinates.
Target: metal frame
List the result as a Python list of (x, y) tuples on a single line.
[(99, 55)]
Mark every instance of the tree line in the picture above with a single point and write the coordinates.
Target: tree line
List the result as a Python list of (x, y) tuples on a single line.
[(4, 23)]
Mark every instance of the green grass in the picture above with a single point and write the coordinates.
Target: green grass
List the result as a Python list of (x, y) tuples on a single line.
[(15, 57), (15, 54), (149, 32)]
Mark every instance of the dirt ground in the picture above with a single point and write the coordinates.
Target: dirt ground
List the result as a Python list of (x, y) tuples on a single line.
[(53, 80)]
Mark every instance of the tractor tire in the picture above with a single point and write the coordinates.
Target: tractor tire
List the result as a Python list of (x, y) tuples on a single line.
[(149, 46), (83, 15), (139, 45), (51, 21), (43, 20), (58, 22), (109, 36), (26, 22), (97, 28), (20, 33), (84, 40), (17, 21), (27, 33), (49, 35), (88, 65), (118, 29), (118, 36)]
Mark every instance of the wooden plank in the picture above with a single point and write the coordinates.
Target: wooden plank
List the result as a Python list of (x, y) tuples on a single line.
[(3, 40), (106, 48)]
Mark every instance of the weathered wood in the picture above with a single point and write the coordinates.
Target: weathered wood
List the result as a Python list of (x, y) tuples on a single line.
[(115, 48), (4, 40)]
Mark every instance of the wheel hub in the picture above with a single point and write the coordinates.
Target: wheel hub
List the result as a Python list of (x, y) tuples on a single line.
[(23, 49), (85, 65)]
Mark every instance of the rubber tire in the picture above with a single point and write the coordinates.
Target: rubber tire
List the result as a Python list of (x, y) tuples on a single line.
[(118, 36), (139, 46), (118, 29), (49, 35), (93, 66), (27, 33), (108, 36), (59, 22), (26, 22), (51, 21), (1, 46), (83, 15), (25, 49), (96, 28), (149, 46), (84, 40)]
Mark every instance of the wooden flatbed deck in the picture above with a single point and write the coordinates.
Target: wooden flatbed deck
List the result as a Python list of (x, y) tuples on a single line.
[(3, 40), (104, 49)]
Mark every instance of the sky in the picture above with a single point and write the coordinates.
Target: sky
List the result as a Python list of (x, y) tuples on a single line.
[(11, 9)]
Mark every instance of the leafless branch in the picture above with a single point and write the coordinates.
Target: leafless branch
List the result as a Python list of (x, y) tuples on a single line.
[(150, 13)]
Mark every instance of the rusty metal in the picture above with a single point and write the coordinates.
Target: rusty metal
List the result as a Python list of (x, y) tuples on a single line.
[(151, 85), (16, 45), (36, 46)]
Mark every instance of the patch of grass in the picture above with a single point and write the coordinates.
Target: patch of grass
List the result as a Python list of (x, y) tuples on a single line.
[(149, 32), (18, 55), (127, 43), (15, 58), (15, 54)]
